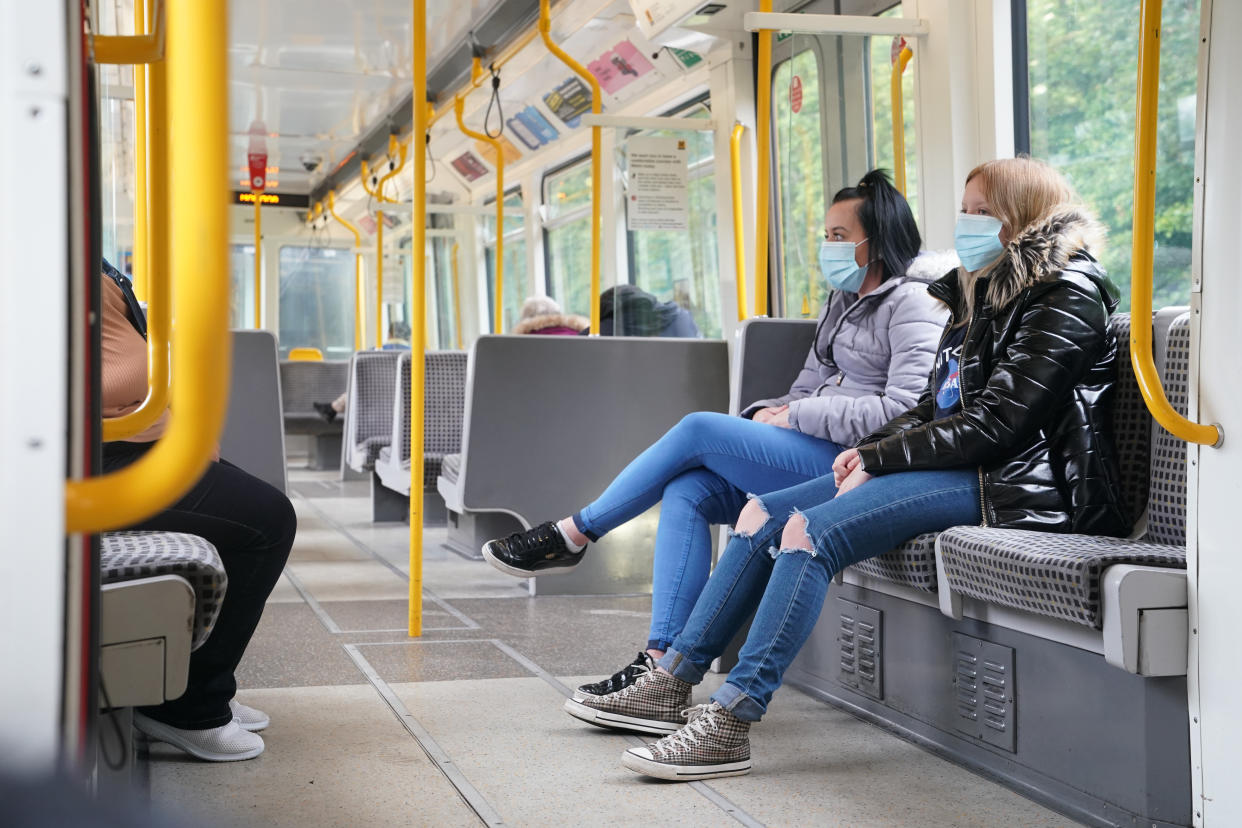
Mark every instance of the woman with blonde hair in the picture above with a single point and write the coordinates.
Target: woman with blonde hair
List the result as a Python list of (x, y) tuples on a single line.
[(1009, 432)]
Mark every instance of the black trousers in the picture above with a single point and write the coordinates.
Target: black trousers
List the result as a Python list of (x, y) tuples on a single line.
[(252, 525)]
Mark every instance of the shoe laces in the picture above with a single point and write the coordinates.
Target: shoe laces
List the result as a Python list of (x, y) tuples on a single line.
[(629, 689), (701, 719), (534, 539)]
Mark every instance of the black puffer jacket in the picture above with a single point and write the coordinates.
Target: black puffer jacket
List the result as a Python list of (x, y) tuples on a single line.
[(1037, 388)]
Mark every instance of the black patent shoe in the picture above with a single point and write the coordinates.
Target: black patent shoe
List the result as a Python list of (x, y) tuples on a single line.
[(619, 680), (538, 551), (325, 410)]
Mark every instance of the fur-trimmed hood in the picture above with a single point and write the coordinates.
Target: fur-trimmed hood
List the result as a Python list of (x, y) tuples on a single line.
[(1040, 253), (552, 320)]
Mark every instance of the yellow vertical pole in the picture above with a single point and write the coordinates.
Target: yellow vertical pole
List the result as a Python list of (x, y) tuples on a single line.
[(459, 106), (258, 264), (763, 162), (379, 278), (739, 226), (418, 318), (899, 121), (140, 268), (597, 106), (358, 294), (1143, 242), (456, 296)]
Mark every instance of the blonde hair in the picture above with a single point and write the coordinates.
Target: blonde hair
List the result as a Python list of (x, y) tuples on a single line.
[(1021, 192)]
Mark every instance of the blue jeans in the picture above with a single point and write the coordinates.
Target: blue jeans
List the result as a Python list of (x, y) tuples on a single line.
[(786, 587), (702, 470)]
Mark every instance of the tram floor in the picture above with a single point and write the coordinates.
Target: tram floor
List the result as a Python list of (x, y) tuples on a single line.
[(464, 724)]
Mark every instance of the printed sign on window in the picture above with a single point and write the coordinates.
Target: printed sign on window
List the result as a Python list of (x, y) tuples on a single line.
[(658, 197)]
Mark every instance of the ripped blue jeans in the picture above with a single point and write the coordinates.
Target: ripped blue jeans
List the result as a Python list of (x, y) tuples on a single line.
[(786, 587)]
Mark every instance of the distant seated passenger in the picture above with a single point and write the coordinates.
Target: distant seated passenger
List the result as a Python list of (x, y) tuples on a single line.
[(398, 339), (642, 314), (250, 523), (541, 315)]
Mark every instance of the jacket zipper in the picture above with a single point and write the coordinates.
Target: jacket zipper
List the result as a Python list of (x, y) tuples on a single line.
[(983, 506)]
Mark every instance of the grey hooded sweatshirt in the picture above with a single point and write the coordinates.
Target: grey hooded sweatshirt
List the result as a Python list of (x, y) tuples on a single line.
[(872, 357)]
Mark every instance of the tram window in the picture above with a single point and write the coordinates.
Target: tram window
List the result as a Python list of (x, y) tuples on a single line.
[(567, 235), (800, 147), (241, 286), (517, 281), (441, 328), (1082, 81), (680, 266), (317, 300)]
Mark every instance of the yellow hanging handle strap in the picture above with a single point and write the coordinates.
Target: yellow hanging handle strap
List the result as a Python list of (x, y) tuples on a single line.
[(359, 299), (459, 106), (597, 106), (198, 107), (1144, 238), (899, 122)]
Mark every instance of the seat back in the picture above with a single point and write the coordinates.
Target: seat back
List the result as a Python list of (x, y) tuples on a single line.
[(369, 409), (1166, 500), (303, 383), (254, 434), (770, 353), (305, 355), (444, 402)]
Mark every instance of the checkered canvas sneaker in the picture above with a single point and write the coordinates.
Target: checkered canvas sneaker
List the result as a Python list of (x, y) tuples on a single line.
[(652, 704), (713, 743)]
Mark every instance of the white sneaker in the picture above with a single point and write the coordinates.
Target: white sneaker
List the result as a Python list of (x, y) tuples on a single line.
[(227, 743), (249, 718)]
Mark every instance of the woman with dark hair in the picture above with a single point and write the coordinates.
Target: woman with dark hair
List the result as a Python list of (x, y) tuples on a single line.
[(871, 354), (1010, 431)]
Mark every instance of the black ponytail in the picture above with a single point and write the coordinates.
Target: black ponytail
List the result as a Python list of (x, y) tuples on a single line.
[(886, 219)]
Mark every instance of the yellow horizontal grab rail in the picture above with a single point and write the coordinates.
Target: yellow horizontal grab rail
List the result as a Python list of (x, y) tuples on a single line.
[(899, 121), (763, 162), (597, 106), (1144, 238), (359, 296), (739, 243), (158, 290), (135, 49), (499, 268), (198, 106)]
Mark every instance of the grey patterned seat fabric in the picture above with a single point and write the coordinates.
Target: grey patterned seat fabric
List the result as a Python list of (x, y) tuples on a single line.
[(129, 556), (444, 403), (912, 564), (1059, 575), (303, 383), (369, 408)]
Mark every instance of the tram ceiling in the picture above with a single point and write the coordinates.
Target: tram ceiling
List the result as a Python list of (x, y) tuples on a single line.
[(452, 51)]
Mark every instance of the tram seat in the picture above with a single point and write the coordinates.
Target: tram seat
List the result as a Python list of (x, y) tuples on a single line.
[(253, 437), (161, 594), (534, 404), (443, 408), (1134, 590), (303, 383), (368, 407)]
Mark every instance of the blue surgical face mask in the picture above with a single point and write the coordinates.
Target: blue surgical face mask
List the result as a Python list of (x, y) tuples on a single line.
[(837, 264), (977, 240)]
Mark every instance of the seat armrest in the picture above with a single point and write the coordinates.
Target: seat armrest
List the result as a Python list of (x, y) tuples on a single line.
[(145, 629), (1145, 619)]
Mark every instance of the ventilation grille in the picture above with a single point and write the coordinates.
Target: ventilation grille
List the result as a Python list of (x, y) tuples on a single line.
[(986, 703), (860, 639)]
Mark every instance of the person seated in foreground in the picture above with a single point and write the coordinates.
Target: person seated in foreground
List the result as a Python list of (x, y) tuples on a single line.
[(250, 523), (871, 354), (1010, 432), (542, 315)]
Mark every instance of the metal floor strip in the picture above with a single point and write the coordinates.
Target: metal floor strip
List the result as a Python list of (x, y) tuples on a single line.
[(469, 794), (319, 611)]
